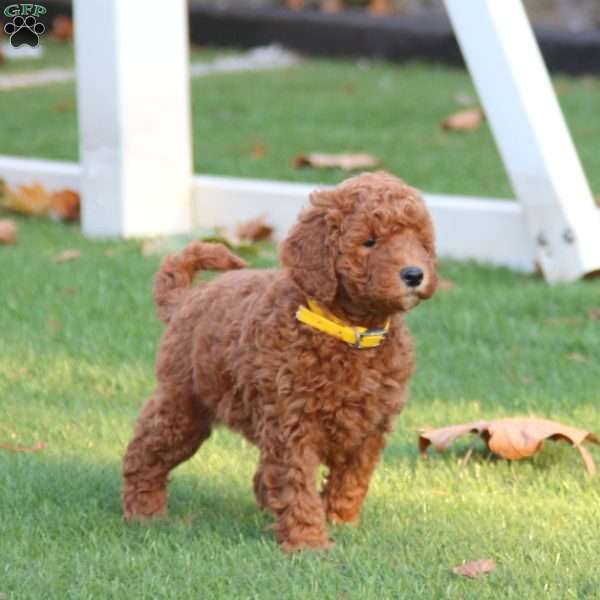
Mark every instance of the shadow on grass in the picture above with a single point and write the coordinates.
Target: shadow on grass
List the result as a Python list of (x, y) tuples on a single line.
[(86, 494), (78, 499), (409, 454)]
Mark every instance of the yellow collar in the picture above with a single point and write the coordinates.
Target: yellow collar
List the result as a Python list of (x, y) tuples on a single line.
[(358, 337)]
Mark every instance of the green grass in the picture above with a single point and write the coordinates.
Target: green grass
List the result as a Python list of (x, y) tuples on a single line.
[(391, 111), (76, 361), (78, 340), (55, 55)]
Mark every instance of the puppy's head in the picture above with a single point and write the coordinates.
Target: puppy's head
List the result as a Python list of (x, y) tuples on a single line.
[(369, 242)]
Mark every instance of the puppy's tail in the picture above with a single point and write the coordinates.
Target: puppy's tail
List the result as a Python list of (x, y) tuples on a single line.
[(177, 272)]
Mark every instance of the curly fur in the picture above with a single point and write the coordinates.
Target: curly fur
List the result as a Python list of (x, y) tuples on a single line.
[(233, 353)]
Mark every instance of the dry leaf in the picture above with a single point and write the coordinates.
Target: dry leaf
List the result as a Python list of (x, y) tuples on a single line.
[(512, 438), (30, 200), (597, 199), (34, 448), (258, 151), (65, 205), (577, 357), (475, 568), (8, 231), (254, 230), (345, 161), (465, 120), (67, 255), (381, 7), (62, 28)]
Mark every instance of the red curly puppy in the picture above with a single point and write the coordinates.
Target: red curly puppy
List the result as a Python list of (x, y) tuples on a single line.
[(310, 363)]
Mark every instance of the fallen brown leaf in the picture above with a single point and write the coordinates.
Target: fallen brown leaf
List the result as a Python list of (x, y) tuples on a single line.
[(8, 231), (67, 255), (577, 357), (475, 568), (258, 151), (465, 120), (381, 7), (34, 448), (597, 199), (513, 438), (65, 205), (62, 28), (254, 230), (30, 200), (345, 161)]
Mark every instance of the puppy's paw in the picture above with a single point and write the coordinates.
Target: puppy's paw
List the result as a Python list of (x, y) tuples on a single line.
[(291, 547), (145, 505), (337, 518)]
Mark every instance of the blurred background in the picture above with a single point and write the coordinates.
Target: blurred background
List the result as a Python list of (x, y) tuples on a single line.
[(573, 14)]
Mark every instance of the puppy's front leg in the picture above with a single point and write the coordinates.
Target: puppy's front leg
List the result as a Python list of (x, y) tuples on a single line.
[(288, 488), (348, 480)]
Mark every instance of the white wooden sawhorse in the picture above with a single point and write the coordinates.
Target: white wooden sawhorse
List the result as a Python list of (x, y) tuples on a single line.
[(135, 173)]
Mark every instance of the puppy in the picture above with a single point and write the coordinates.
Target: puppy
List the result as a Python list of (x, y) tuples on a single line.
[(310, 363)]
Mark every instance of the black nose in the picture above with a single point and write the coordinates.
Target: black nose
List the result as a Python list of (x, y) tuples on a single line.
[(412, 276)]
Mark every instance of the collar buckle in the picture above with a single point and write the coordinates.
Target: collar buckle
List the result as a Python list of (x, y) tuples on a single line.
[(378, 333)]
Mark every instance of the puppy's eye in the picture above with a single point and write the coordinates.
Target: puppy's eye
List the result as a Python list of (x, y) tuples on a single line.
[(370, 243)]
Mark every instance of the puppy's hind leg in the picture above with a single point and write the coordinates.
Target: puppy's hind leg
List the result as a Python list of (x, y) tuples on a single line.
[(170, 429)]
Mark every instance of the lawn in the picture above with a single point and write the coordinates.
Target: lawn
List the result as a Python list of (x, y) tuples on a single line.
[(56, 55), (77, 345), (331, 106)]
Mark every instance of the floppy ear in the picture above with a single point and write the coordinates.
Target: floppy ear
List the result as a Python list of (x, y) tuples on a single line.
[(309, 255)]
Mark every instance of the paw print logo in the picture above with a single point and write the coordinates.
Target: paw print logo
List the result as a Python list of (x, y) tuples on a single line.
[(24, 31)]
